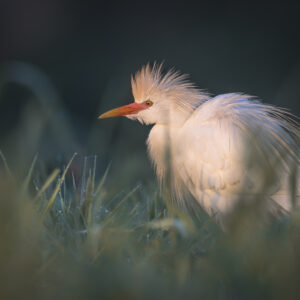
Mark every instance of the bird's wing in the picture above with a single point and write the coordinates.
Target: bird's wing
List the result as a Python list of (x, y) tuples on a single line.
[(231, 148)]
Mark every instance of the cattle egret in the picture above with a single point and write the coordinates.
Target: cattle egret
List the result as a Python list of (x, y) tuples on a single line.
[(219, 150)]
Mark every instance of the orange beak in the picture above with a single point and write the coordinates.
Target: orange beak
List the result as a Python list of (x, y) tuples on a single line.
[(125, 110)]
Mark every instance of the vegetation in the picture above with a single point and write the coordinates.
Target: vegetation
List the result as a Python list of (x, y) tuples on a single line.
[(64, 239)]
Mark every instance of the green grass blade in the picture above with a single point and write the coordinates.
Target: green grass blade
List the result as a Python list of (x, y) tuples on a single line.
[(94, 172), (47, 183), (62, 203), (5, 164), (87, 204), (53, 196), (102, 181), (29, 175), (116, 209)]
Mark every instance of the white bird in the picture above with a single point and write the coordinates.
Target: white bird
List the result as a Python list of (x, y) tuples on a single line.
[(221, 150)]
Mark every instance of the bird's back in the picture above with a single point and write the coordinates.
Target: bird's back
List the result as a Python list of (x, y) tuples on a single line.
[(234, 149)]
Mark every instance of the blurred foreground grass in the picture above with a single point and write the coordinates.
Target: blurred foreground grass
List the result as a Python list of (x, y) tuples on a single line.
[(68, 238)]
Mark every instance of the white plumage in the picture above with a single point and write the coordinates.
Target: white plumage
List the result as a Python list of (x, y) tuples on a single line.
[(222, 149)]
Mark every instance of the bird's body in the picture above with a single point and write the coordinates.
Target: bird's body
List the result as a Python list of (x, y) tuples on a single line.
[(221, 150), (219, 160)]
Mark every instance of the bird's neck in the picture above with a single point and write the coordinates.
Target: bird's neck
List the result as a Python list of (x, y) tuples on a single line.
[(160, 144), (162, 139), (174, 119)]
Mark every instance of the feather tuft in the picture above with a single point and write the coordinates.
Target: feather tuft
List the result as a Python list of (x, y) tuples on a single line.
[(150, 82)]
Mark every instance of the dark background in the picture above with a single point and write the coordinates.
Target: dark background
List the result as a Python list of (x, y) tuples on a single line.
[(64, 62)]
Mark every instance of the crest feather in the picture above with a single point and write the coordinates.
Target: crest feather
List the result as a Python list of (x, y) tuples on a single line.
[(150, 82)]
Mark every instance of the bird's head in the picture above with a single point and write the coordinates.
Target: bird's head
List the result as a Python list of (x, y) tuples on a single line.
[(160, 99)]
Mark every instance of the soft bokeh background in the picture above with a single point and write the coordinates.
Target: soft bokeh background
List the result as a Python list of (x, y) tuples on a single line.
[(63, 62)]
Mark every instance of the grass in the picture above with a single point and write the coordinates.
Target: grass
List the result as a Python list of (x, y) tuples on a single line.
[(78, 239), (75, 233)]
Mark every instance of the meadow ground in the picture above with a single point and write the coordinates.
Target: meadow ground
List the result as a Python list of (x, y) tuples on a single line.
[(64, 237)]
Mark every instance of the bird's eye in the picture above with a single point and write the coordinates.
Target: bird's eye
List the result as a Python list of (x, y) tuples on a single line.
[(149, 103)]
